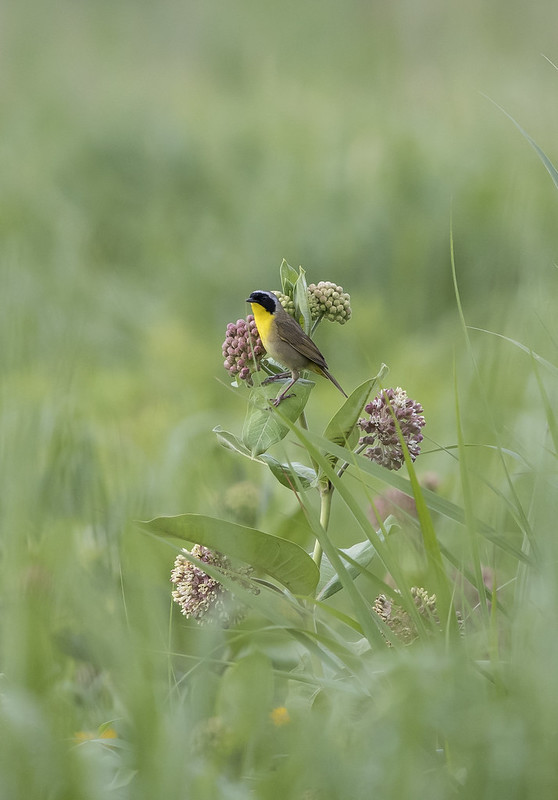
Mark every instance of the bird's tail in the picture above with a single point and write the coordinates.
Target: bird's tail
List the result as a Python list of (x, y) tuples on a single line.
[(332, 379)]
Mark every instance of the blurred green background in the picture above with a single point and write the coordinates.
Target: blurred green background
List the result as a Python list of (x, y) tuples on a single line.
[(157, 162)]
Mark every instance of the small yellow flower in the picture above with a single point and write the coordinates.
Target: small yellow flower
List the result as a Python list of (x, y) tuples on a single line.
[(101, 733), (280, 716), (108, 733)]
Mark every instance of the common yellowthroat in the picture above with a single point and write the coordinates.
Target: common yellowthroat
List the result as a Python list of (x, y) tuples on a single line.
[(286, 342)]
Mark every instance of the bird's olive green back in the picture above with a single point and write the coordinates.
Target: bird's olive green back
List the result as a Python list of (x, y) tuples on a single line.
[(290, 332)]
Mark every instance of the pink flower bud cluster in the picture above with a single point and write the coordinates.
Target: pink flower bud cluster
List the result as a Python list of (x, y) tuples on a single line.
[(381, 428), (242, 348)]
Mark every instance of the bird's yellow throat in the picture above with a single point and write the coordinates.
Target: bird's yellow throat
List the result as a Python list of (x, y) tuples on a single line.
[(263, 321)]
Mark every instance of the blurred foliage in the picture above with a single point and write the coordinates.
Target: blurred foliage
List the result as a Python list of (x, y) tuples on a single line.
[(158, 161)]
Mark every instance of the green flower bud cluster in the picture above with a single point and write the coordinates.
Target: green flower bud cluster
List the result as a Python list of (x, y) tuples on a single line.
[(213, 737), (328, 300), (399, 621), (287, 303), (242, 501)]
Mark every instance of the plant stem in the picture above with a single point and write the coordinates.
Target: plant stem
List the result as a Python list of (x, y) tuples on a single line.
[(326, 491), (325, 504), (325, 509), (317, 554)]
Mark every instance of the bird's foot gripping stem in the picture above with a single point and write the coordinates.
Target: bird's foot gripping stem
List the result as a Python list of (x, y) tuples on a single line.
[(280, 399), (279, 376)]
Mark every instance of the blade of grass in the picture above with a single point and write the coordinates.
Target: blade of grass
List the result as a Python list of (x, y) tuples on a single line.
[(549, 166), (548, 410), (539, 359), (440, 580), (361, 607), (470, 526), (435, 502), (528, 533)]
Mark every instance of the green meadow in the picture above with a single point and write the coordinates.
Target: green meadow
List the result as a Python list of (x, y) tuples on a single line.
[(158, 163)]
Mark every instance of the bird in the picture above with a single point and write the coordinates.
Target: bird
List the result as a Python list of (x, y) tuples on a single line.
[(286, 342)]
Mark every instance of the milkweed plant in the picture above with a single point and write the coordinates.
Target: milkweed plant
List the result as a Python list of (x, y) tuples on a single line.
[(230, 569)]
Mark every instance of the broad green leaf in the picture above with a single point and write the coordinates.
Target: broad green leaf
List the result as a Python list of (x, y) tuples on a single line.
[(263, 426), (232, 442), (341, 429), (361, 554), (294, 526), (300, 297), (294, 475), (288, 276), (283, 560)]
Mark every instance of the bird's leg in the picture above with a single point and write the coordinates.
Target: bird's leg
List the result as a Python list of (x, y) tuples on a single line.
[(277, 377), (283, 396)]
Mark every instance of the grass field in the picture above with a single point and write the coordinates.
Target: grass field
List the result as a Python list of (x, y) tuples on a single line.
[(158, 163)]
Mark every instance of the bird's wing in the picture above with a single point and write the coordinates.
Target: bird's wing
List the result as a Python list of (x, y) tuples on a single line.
[(305, 346)]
